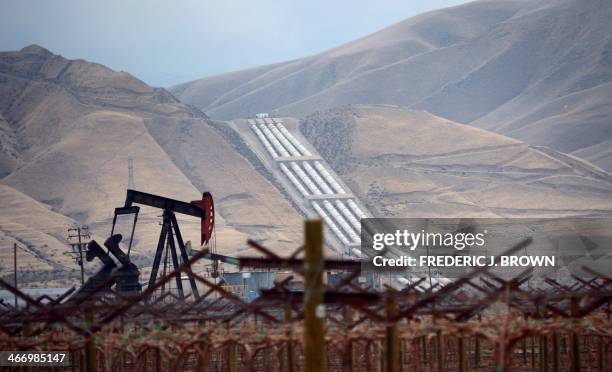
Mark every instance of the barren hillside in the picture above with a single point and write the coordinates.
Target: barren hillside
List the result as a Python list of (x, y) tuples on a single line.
[(68, 129), (40, 235), (409, 163)]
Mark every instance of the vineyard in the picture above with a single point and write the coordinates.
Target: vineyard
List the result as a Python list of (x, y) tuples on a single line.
[(479, 322)]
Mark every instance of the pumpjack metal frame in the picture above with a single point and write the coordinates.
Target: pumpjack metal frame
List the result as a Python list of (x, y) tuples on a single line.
[(170, 235)]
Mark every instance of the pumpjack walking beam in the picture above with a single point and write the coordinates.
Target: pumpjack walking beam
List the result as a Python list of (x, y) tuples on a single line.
[(170, 231)]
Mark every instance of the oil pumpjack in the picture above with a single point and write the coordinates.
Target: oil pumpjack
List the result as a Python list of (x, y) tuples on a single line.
[(126, 276), (204, 209)]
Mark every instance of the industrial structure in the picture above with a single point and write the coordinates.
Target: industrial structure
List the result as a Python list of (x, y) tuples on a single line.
[(314, 181), (125, 275)]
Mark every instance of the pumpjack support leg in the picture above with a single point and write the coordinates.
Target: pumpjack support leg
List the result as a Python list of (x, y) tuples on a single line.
[(158, 252), (175, 263), (170, 230), (184, 257)]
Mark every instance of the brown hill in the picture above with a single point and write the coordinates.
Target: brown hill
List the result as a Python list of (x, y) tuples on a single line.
[(536, 71), (40, 235), (408, 163), (67, 132)]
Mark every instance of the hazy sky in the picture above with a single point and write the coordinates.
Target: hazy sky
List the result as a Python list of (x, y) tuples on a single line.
[(172, 41)]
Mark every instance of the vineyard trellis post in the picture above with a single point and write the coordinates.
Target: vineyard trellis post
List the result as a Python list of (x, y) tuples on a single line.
[(314, 310)]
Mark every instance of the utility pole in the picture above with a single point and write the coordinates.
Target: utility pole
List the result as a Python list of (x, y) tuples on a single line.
[(82, 232), (15, 269), (131, 184)]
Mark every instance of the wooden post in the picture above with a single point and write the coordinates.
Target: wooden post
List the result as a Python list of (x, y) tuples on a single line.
[(266, 356), (284, 350), (90, 347), (369, 351), (476, 351), (533, 352), (157, 360), (314, 309), (281, 358), (348, 317), (15, 270), (601, 353), (575, 338), (27, 332), (544, 353), (477, 346), (587, 345), (556, 353), (290, 351), (350, 362), (202, 361), (424, 349), (463, 354), (392, 352), (440, 351), (72, 361), (233, 363)]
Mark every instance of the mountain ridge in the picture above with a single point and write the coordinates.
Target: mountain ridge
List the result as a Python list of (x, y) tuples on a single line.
[(499, 65)]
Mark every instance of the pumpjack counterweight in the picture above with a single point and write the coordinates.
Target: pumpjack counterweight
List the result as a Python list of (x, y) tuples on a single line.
[(125, 277)]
